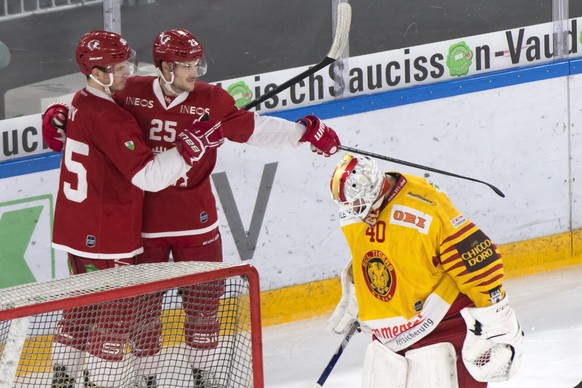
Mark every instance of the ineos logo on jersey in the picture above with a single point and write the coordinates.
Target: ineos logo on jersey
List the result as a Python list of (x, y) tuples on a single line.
[(194, 110), (410, 218), (136, 101)]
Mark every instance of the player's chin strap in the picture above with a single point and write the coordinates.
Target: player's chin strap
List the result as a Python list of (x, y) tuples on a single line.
[(167, 84), (106, 87)]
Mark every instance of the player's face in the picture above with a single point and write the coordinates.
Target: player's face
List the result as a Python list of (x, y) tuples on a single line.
[(121, 73), (185, 76), (116, 75)]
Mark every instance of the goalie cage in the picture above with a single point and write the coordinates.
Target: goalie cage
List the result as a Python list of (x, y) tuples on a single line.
[(29, 314)]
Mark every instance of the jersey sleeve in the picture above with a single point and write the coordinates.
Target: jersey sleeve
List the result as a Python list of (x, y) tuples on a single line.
[(275, 132), (472, 260), (237, 124)]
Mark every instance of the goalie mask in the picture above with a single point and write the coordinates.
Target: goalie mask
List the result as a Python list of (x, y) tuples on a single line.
[(358, 186)]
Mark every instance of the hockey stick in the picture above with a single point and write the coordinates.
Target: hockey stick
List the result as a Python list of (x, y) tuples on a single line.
[(343, 22), (336, 356), (389, 159)]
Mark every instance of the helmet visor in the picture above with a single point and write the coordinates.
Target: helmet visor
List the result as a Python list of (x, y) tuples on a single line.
[(127, 67), (199, 64)]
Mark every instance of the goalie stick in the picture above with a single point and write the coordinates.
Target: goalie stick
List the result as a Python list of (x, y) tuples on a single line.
[(343, 22), (398, 161), (331, 364)]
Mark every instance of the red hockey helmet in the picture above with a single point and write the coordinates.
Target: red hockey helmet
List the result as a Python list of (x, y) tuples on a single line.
[(176, 45), (103, 49)]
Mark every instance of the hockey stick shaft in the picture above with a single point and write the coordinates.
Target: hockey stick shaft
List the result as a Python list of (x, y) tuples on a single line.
[(331, 364), (343, 22), (419, 166)]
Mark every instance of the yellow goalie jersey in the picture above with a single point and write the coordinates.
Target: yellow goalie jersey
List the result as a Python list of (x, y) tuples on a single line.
[(419, 257)]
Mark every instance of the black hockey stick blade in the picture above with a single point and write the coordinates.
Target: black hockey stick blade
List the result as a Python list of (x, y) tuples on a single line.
[(419, 166), (336, 356), (343, 22)]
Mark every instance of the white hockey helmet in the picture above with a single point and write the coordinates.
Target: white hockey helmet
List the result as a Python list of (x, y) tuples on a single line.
[(357, 184)]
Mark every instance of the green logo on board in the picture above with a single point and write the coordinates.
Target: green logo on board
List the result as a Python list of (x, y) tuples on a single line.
[(459, 59), (241, 93)]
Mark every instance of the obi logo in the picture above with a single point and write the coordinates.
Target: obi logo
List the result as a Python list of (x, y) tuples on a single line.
[(410, 218)]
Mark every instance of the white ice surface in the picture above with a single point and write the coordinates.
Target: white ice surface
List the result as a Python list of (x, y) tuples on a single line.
[(548, 304)]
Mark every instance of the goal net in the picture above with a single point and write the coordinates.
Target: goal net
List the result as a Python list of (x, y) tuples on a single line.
[(186, 324)]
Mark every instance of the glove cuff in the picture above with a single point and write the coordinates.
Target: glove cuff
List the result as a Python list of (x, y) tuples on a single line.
[(490, 314)]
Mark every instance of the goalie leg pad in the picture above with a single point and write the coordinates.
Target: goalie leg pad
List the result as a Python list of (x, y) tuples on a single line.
[(433, 366), (383, 368)]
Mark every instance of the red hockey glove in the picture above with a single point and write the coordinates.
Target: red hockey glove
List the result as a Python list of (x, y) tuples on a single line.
[(54, 119), (201, 136), (323, 139)]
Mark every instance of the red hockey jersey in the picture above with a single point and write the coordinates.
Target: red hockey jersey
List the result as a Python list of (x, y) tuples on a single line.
[(98, 212), (188, 207)]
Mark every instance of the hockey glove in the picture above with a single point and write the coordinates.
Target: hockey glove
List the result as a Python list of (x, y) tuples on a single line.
[(54, 119), (494, 343), (346, 312), (200, 137), (323, 139)]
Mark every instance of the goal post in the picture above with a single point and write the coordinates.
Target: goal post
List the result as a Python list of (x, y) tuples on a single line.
[(30, 313)]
